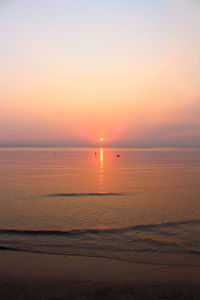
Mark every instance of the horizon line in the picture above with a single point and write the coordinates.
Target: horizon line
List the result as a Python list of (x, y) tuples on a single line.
[(97, 146)]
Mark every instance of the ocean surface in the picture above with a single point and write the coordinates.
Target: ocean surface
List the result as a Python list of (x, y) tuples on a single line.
[(143, 206)]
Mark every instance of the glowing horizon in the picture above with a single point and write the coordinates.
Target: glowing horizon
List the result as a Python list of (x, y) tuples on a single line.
[(128, 72)]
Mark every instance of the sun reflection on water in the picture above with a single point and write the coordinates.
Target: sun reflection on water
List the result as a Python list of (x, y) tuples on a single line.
[(101, 156), (101, 171)]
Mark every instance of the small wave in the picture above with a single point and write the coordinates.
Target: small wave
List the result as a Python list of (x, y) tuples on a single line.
[(83, 194), (77, 232), (4, 248), (150, 227), (9, 248)]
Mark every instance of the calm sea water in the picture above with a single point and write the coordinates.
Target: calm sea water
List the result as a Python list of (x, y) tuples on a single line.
[(143, 206)]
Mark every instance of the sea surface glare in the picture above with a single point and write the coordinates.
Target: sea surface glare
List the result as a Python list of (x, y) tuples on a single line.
[(143, 206)]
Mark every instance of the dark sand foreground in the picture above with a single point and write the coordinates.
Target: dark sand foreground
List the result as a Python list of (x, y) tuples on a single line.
[(40, 276)]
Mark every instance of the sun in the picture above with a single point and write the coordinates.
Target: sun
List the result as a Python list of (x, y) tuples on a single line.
[(101, 139)]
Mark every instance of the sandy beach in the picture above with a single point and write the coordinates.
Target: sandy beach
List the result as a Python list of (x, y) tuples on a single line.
[(40, 276)]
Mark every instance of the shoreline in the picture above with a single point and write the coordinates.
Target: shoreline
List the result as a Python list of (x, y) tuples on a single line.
[(50, 276)]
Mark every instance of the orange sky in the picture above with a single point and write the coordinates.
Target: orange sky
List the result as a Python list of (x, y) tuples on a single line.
[(71, 73)]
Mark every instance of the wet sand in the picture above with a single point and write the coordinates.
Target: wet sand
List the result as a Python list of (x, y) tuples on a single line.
[(41, 276)]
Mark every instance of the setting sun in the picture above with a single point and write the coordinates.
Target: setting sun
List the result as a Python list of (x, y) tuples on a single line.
[(101, 139)]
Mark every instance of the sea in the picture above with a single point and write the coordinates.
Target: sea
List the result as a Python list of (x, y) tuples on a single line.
[(139, 205)]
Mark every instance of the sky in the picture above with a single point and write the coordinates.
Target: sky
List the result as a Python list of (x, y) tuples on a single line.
[(72, 71)]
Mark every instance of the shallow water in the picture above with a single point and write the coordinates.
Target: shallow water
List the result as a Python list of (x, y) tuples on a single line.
[(143, 206)]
